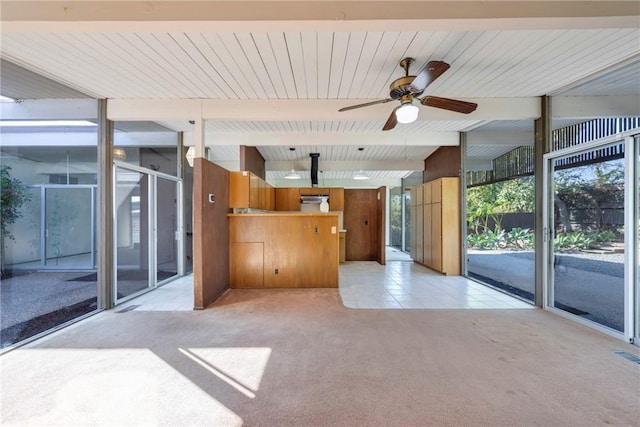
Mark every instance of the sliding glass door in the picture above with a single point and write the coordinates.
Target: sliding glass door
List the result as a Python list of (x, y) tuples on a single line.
[(591, 229), (148, 230)]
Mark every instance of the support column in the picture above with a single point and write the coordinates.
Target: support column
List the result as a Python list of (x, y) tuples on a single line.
[(542, 146), (463, 203), (104, 214)]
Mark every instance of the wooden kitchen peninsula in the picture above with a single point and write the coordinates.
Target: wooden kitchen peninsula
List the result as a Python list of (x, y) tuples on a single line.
[(283, 250)]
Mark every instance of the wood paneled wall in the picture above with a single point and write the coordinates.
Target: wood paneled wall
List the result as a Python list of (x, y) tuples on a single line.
[(210, 232), (444, 162), (251, 160), (361, 222)]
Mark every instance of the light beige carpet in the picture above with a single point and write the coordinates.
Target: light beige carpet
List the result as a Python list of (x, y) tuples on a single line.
[(299, 358)]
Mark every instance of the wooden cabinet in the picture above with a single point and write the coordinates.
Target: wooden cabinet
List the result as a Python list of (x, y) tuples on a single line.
[(247, 190), (247, 264), (287, 199), (435, 234), (419, 236), (336, 199), (412, 223), (273, 250)]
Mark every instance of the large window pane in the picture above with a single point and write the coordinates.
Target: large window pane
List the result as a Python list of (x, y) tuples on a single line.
[(48, 226), (500, 208)]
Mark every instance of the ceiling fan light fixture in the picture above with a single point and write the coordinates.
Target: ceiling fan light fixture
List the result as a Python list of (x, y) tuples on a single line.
[(360, 176), (292, 175), (407, 113)]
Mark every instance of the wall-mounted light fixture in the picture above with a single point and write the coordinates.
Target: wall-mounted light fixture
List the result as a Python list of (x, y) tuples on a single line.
[(119, 154), (191, 154)]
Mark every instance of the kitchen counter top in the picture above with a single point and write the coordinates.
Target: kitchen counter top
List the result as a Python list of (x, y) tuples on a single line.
[(307, 214)]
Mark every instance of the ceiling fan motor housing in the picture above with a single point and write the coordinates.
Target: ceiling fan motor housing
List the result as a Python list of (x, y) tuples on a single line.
[(400, 88)]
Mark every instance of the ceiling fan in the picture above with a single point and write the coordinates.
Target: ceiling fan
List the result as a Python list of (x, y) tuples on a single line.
[(407, 88)]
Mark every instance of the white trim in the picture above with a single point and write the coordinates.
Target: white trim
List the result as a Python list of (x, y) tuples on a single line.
[(629, 238)]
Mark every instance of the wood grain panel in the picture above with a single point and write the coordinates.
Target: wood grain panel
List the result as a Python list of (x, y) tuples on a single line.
[(451, 251), (336, 199), (436, 191), (436, 233), (287, 199), (444, 162), (238, 190), (381, 222), (427, 235), (300, 250), (246, 265), (419, 234), (210, 232), (426, 193), (360, 221)]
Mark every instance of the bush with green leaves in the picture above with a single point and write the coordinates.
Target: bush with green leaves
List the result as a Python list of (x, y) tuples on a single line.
[(13, 195)]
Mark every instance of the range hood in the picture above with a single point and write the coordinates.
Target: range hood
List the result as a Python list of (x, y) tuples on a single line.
[(313, 198)]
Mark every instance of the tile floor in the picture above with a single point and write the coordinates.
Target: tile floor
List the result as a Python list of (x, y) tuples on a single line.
[(401, 285), (174, 296), (366, 285)]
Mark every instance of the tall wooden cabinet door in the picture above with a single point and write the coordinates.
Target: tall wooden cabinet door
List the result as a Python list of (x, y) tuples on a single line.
[(246, 265), (451, 234), (419, 235), (427, 236), (436, 236), (412, 232), (436, 191), (426, 193)]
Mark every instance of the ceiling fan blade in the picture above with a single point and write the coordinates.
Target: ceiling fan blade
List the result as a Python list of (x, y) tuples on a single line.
[(427, 75), (366, 104), (449, 104), (392, 121)]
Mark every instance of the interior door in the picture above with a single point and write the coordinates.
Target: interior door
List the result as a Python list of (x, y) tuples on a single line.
[(360, 221)]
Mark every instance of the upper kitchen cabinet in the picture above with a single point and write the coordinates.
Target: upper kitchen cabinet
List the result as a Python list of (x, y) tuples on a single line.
[(336, 199), (287, 199), (247, 190)]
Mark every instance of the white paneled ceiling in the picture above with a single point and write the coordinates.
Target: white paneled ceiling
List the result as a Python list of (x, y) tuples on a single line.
[(318, 57), (320, 65)]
